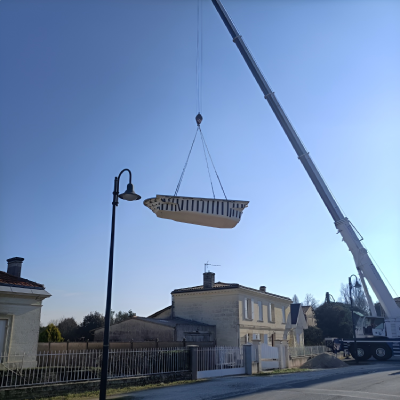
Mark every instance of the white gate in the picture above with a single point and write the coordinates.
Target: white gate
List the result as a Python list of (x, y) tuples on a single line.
[(266, 356)]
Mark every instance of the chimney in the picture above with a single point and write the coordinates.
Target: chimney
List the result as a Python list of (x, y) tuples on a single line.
[(14, 266), (263, 289), (208, 280)]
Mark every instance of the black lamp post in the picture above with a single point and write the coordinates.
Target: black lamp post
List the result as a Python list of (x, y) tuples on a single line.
[(351, 286), (129, 195)]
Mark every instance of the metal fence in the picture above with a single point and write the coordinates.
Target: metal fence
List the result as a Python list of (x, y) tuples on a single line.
[(86, 365), (305, 351), (214, 358)]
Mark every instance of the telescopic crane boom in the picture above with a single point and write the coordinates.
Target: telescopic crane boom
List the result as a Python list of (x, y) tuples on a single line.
[(363, 262)]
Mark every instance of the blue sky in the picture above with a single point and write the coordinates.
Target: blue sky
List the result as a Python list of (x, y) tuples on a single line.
[(88, 88)]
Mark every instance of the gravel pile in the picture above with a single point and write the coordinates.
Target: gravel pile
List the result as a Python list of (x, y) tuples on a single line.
[(324, 361)]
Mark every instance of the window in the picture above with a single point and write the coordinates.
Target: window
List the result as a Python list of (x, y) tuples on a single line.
[(271, 313), (283, 315), (248, 308), (260, 311)]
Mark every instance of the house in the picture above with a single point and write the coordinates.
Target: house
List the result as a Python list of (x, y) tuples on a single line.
[(138, 329), (309, 315), (20, 308), (240, 314)]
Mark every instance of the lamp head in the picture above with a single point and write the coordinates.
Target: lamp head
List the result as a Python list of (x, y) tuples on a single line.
[(357, 285), (130, 194)]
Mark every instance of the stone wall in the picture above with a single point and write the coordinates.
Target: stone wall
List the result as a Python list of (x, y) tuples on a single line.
[(81, 387), (213, 307), (65, 347), (137, 330)]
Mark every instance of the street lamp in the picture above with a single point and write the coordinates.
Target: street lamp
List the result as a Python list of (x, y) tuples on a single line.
[(351, 286), (129, 195)]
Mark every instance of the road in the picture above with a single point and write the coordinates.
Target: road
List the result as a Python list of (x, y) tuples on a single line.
[(374, 381)]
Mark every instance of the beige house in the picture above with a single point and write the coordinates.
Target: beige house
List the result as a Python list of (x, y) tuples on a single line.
[(240, 314), (309, 315), (20, 307)]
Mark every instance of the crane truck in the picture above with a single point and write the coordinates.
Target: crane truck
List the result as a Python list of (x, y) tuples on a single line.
[(376, 336)]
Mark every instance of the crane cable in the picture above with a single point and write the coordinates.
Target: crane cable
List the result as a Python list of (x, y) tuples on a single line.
[(199, 118)]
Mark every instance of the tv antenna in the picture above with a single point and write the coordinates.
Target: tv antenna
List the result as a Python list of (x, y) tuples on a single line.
[(209, 265)]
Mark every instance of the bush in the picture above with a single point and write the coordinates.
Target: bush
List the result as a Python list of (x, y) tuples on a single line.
[(313, 336), (50, 334)]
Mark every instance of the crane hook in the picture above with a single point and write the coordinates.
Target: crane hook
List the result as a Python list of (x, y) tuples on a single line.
[(199, 118)]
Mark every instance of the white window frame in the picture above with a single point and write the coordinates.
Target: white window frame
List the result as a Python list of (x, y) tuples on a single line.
[(248, 313), (269, 312), (260, 312)]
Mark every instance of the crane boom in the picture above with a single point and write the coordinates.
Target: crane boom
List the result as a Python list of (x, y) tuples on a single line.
[(363, 262)]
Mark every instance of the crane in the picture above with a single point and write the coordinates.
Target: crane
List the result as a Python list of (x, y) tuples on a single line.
[(390, 327)]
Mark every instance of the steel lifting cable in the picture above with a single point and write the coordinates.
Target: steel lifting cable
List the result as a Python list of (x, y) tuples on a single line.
[(184, 168), (212, 162), (205, 156), (199, 56), (199, 117)]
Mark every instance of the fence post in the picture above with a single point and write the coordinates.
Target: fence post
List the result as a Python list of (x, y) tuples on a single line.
[(248, 363), (258, 350), (193, 359)]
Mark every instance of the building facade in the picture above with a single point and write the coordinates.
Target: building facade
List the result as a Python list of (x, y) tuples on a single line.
[(240, 314), (20, 308)]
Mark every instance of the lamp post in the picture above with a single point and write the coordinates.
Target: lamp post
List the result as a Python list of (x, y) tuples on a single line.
[(351, 286), (129, 195)]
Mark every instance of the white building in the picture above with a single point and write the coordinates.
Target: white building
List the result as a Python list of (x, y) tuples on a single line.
[(20, 307)]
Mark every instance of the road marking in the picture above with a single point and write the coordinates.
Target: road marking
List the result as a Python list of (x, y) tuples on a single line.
[(350, 393)]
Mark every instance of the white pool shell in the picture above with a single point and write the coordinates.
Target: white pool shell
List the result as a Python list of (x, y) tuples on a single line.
[(216, 213)]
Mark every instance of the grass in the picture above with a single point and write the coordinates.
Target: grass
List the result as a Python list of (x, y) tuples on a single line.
[(115, 391), (283, 371)]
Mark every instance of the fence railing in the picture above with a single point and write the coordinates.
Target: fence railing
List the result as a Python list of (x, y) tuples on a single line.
[(304, 351), (214, 358), (86, 365)]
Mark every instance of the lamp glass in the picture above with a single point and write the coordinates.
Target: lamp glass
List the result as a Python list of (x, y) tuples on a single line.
[(129, 194)]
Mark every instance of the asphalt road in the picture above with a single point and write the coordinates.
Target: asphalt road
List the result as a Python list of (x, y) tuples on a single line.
[(374, 381)]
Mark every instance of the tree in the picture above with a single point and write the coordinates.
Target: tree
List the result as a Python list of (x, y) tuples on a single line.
[(68, 328), (90, 322), (310, 300), (121, 316), (295, 299), (359, 298), (334, 319), (50, 334), (313, 336)]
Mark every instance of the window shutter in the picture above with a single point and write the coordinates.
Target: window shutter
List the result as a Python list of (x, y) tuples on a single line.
[(260, 311), (252, 309), (245, 309), (273, 313), (269, 313)]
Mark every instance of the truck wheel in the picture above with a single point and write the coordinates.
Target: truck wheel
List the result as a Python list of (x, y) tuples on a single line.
[(381, 352), (363, 352)]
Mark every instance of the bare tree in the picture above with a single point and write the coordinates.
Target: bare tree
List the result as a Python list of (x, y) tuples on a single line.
[(310, 300), (295, 299), (359, 299)]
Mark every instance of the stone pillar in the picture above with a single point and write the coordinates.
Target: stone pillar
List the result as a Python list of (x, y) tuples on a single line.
[(193, 360), (247, 359), (258, 352)]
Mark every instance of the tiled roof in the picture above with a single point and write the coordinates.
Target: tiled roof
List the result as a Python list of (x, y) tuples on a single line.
[(222, 286), (11, 280)]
